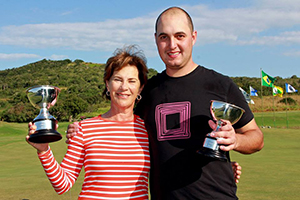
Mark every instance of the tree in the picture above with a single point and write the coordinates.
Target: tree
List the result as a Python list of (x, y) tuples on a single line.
[(21, 112), (69, 108)]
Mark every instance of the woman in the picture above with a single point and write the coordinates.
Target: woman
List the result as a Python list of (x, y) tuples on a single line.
[(113, 147)]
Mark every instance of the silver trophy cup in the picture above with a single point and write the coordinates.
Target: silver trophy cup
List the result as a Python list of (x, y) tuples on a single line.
[(43, 97), (220, 110)]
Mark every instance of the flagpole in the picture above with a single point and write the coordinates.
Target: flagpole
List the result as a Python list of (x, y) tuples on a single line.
[(262, 107), (286, 112), (274, 110), (286, 104)]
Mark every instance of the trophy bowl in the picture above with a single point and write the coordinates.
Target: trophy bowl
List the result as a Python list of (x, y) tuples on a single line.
[(43, 97), (220, 110)]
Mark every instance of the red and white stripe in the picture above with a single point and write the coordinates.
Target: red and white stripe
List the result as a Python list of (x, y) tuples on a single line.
[(115, 157)]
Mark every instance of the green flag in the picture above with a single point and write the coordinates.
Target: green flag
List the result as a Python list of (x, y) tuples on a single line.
[(266, 80)]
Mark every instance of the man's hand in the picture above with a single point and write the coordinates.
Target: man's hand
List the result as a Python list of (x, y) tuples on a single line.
[(247, 139), (226, 136), (71, 132)]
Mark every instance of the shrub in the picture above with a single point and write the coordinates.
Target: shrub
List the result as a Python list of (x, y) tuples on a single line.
[(288, 100)]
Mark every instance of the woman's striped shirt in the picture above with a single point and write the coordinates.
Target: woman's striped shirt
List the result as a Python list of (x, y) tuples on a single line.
[(115, 157)]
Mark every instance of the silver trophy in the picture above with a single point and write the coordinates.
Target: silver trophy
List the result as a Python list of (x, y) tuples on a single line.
[(43, 97), (220, 110)]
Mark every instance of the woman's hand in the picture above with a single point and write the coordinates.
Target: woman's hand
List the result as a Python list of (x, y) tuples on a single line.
[(40, 147), (237, 171)]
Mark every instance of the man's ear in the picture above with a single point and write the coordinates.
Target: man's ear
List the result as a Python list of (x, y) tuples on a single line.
[(194, 36)]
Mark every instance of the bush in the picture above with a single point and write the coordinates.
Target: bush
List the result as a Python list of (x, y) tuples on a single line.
[(288, 100)]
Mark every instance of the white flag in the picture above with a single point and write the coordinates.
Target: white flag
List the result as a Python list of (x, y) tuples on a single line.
[(289, 88)]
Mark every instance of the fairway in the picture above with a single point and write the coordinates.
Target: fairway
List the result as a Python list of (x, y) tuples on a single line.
[(281, 119), (272, 173), (21, 174)]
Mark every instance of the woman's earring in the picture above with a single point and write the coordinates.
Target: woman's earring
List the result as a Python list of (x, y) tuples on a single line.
[(138, 97), (107, 93)]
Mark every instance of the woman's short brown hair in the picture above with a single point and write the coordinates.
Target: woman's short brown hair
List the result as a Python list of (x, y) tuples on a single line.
[(128, 55)]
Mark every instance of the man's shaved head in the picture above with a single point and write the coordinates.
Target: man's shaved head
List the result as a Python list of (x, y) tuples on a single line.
[(175, 11)]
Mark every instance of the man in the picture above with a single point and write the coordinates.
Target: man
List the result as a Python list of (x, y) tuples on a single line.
[(175, 107)]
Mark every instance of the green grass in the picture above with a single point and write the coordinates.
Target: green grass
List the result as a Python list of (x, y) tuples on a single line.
[(21, 174), (272, 173), (281, 119)]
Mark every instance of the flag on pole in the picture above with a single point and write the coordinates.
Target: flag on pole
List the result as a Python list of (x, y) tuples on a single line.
[(289, 88), (253, 92), (247, 96), (277, 91), (266, 80)]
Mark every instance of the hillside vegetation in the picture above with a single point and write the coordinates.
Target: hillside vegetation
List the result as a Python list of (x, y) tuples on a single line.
[(81, 85)]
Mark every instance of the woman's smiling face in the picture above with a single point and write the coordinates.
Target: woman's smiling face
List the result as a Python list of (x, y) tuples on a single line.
[(124, 86)]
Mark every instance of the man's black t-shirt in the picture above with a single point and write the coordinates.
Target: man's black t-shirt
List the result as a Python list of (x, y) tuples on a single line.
[(176, 113)]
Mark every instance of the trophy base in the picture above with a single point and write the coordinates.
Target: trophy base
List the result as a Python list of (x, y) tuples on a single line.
[(45, 136), (216, 154)]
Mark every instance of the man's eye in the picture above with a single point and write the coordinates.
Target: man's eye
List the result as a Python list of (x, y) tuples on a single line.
[(163, 37)]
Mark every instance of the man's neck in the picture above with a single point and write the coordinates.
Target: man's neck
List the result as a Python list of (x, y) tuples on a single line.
[(179, 72)]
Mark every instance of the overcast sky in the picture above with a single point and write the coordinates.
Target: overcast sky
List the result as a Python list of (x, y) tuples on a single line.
[(235, 37)]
